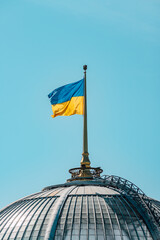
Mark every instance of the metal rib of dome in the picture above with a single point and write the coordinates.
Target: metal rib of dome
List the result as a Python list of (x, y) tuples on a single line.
[(88, 210)]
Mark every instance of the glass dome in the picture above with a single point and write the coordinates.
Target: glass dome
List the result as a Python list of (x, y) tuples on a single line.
[(104, 208)]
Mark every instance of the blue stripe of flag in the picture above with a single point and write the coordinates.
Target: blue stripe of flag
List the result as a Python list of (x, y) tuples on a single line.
[(65, 93)]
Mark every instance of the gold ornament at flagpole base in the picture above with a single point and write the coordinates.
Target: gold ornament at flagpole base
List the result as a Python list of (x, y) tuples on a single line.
[(82, 173)]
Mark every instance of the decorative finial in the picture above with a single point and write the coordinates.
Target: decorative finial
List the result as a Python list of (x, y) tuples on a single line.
[(85, 67)]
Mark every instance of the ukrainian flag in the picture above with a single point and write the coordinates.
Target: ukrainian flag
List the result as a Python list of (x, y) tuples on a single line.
[(68, 100)]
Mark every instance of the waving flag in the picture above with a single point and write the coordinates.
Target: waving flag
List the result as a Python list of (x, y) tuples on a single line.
[(68, 100)]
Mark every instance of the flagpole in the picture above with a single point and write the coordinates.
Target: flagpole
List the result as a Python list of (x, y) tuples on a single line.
[(85, 172), (85, 162)]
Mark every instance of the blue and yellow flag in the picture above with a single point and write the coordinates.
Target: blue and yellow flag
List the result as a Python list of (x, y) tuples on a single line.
[(68, 100)]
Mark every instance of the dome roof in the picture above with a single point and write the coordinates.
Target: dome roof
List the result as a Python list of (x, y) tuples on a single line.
[(104, 208)]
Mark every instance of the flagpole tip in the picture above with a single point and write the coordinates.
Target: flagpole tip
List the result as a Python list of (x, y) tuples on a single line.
[(85, 67)]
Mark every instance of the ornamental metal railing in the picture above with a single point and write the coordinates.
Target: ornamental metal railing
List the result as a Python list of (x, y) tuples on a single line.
[(123, 184), (128, 187), (84, 172)]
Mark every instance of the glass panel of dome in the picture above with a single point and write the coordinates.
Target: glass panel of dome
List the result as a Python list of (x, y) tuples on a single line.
[(76, 220), (75, 237), (83, 237), (6, 221), (91, 237), (35, 223), (14, 220), (7, 213), (31, 214), (92, 220)]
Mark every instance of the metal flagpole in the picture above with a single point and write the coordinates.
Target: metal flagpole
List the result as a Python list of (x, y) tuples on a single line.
[(85, 172), (85, 162)]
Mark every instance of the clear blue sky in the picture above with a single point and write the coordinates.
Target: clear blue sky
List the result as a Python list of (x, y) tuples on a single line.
[(43, 45)]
